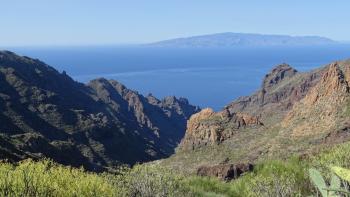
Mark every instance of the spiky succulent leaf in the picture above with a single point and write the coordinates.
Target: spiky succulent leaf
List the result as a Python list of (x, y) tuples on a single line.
[(335, 182), (318, 181)]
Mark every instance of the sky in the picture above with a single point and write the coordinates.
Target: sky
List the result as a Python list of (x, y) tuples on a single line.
[(109, 22)]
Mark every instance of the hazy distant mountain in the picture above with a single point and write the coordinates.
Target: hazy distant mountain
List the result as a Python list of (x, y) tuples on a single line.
[(242, 39)]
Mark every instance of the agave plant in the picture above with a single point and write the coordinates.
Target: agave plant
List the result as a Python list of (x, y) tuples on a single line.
[(321, 185), (335, 188)]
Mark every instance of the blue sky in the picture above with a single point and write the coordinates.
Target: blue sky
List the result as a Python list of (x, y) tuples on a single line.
[(91, 22)]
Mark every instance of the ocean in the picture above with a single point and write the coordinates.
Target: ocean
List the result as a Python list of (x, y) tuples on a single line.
[(207, 77)]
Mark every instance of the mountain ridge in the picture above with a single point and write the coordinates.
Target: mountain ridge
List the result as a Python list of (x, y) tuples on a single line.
[(45, 113), (293, 113)]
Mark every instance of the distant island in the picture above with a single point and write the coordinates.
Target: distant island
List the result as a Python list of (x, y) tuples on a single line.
[(242, 39)]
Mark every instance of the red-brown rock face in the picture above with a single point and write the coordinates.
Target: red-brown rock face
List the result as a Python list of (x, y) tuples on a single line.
[(280, 89), (321, 109), (208, 127), (301, 114), (297, 104)]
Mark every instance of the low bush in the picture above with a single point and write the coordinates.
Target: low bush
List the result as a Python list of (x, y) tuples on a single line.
[(152, 181), (210, 187), (45, 178), (274, 178), (269, 178)]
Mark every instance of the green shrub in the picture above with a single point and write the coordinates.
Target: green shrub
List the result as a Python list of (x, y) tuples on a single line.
[(269, 178), (337, 156), (45, 178), (206, 186), (152, 181), (274, 178)]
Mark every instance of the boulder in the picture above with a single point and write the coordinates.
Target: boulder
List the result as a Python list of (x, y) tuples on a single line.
[(225, 172)]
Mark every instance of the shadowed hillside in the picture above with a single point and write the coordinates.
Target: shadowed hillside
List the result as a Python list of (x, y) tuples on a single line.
[(44, 113)]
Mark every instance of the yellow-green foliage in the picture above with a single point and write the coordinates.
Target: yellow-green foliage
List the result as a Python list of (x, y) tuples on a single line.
[(46, 178), (269, 178), (152, 181), (209, 187), (274, 178), (337, 156), (342, 173)]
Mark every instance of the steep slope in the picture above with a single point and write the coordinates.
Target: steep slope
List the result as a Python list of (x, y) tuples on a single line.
[(99, 125), (323, 108), (292, 113), (162, 122), (280, 89)]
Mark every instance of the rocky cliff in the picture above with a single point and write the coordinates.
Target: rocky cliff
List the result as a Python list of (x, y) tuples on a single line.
[(292, 113), (44, 113), (322, 109), (280, 89), (208, 128)]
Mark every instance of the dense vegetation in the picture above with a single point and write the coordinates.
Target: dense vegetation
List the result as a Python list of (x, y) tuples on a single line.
[(46, 178), (269, 178)]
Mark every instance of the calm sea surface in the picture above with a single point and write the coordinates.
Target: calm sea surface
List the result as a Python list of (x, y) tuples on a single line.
[(207, 77)]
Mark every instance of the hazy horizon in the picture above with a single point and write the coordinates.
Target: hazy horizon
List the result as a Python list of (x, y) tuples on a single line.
[(166, 39), (91, 23)]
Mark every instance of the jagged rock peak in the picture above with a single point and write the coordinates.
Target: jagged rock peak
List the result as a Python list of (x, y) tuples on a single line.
[(99, 80), (333, 81), (322, 109), (335, 77), (180, 105), (278, 74), (173, 99), (152, 99), (111, 84)]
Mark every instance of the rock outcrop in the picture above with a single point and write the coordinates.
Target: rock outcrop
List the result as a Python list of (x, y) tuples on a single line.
[(292, 113), (278, 75), (44, 113), (225, 172), (320, 110), (208, 127), (280, 89)]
